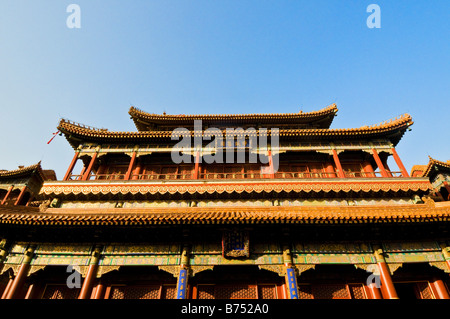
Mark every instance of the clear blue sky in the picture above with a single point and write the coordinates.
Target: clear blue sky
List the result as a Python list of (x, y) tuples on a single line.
[(217, 56)]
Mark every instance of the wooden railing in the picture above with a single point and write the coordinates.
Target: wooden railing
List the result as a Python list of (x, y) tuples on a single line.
[(258, 175)]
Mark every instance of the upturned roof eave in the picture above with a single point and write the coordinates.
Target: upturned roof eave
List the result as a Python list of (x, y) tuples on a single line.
[(392, 130)]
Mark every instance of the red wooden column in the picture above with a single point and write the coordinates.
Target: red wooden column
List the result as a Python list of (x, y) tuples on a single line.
[(379, 163), (22, 193), (440, 289), (368, 169), (138, 169), (8, 287), (385, 274), (399, 163), (88, 282), (22, 274), (7, 194), (374, 291), (131, 166), (388, 170), (271, 170), (195, 173), (338, 165), (87, 172), (71, 166), (99, 290), (330, 172)]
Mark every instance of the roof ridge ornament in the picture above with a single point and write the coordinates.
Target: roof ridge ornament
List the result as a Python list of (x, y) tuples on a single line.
[(64, 120)]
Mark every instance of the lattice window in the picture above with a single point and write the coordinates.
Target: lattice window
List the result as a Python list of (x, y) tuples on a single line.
[(205, 292), (330, 291), (357, 291), (235, 292), (135, 292), (60, 292), (304, 292), (267, 292), (424, 290), (169, 292)]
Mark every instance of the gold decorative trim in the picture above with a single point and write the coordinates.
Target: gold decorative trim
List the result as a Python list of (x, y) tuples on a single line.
[(196, 269), (372, 268), (13, 267), (442, 265), (256, 186), (36, 268), (105, 269), (83, 270), (174, 270), (279, 269), (300, 268), (394, 267)]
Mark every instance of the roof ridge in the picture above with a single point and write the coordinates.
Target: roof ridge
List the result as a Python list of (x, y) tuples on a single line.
[(134, 109)]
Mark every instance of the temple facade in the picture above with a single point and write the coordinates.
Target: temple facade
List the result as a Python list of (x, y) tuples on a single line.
[(247, 206)]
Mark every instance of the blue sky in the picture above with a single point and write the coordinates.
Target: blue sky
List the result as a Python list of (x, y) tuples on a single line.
[(180, 56)]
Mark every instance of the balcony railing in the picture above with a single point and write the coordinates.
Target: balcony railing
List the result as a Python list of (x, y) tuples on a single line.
[(258, 175)]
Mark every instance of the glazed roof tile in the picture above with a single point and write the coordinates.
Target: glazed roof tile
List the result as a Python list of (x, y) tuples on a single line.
[(23, 171), (21, 215), (393, 129), (142, 118)]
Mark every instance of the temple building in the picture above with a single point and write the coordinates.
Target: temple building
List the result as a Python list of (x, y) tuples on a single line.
[(245, 206)]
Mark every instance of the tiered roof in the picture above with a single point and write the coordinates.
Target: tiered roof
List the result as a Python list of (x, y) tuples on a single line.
[(392, 129)]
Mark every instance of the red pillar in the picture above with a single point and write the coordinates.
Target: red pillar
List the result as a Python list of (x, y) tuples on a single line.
[(368, 169), (71, 166), (88, 282), (7, 195), (22, 274), (330, 172), (379, 163), (374, 291), (340, 171), (440, 289), (271, 172), (89, 169), (8, 287), (385, 275), (399, 163), (22, 192), (196, 166), (137, 170), (130, 167), (99, 291)]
